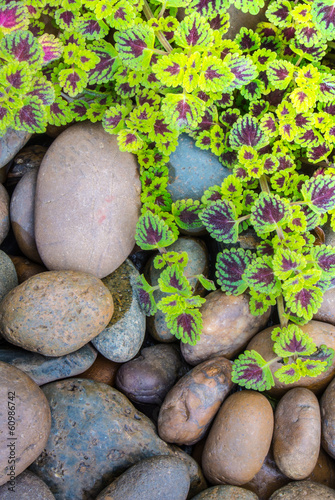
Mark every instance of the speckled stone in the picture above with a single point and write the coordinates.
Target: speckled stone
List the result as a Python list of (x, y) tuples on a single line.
[(122, 338), (8, 276), (96, 435), (4, 213), (226, 492), (298, 490), (197, 264), (27, 487), (159, 478), (25, 268), (45, 369), (185, 181), (11, 143)]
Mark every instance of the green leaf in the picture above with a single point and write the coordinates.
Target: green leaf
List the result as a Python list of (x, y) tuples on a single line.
[(170, 69), (280, 73), (145, 295), (269, 212), (319, 192), (186, 326), (251, 371), (305, 302), (230, 266), (172, 280), (288, 374), (135, 46), (114, 118), (247, 132), (286, 262), (72, 80), (259, 303), (194, 30), (179, 258), (206, 283), (260, 276), (292, 341), (32, 116), (182, 110), (220, 221), (186, 213), (152, 232)]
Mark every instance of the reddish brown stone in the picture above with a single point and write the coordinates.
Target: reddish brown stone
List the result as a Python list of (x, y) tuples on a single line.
[(327, 404), (4, 213), (102, 370), (25, 268)]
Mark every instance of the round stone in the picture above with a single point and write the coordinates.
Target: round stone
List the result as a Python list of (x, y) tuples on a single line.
[(56, 312), (225, 493), (11, 143), (8, 276), (87, 202), (4, 213), (122, 338), (303, 489), (326, 311), (103, 370), (26, 486), (327, 404), (161, 478), (25, 422)]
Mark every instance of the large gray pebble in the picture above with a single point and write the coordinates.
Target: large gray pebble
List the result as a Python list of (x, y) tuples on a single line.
[(226, 492), (27, 486)]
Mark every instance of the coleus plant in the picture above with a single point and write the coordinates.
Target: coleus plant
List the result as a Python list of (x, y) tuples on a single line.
[(263, 103)]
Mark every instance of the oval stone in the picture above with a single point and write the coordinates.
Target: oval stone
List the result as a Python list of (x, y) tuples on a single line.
[(192, 403), (239, 439), (297, 433), (321, 333), (161, 478), (8, 276), (103, 370), (87, 202), (4, 213), (227, 326), (25, 268), (22, 215), (326, 311), (27, 486), (327, 404), (56, 312), (26, 408), (298, 490), (226, 493), (11, 143)]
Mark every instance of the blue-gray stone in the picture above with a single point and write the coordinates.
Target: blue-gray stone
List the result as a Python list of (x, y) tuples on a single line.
[(96, 434), (11, 143), (8, 276), (226, 492), (45, 369), (27, 487), (122, 338), (193, 170)]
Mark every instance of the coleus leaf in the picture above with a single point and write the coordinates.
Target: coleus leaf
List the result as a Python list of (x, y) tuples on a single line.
[(305, 302), (21, 46), (292, 341), (194, 30), (286, 261), (59, 112), (291, 373), (215, 75), (319, 152), (92, 28), (16, 77), (72, 80), (186, 213), (247, 40), (279, 13), (313, 367), (280, 73), (230, 266), (269, 212), (43, 90), (145, 296), (243, 69), (220, 221), (178, 258), (259, 303), (108, 62), (323, 353), (182, 110), (319, 192), (326, 88), (206, 283), (32, 116), (6, 116), (186, 326), (152, 232), (207, 8), (314, 53), (324, 257), (172, 280), (251, 371), (114, 117), (52, 47), (135, 46), (170, 69), (13, 16), (323, 15), (260, 276), (251, 6), (247, 131), (129, 140), (66, 19)]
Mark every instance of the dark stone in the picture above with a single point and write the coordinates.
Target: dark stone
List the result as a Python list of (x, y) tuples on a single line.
[(8, 276), (27, 486)]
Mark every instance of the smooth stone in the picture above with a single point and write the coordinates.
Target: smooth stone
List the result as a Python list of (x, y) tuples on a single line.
[(25, 268), (8, 276), (22, 217), (96, 435), (44, 369), (32, 421), (27, 486), (122, 338), (56, 312), (226, 492), (27, 160), (327, 404), (103, 370), (4, 213), (11, 143), (228, 325), (303, 489), (193, 402), (321, 333), (159, 478), (197, 264), (185, 181), (87, 202), (297, 433), (326, 312), (149, 377), (239, 439)]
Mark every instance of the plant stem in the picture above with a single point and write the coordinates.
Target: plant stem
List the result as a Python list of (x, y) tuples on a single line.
[(299, 60), (281, 311), (149, 15), (264, 184), (162, 9)]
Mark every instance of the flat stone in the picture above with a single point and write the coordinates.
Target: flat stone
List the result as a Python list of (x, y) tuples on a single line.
[(161, 478), (87, 202), (11, 143), (4, 213), (122, 338), (186, 181), (8, 276), (45, 369), (27, 486)]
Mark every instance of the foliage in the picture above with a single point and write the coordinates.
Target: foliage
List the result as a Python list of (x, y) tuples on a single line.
[(263, 103)]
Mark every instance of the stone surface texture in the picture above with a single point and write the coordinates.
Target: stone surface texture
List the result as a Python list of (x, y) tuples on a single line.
[(327, 404), (87, 202), (4, 213), (27, 487), (226, 493), (8, 276), (11, 143), (298, 490), (25, 268)]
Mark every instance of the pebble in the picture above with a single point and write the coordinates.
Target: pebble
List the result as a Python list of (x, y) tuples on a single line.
[(11, 143), (96, 435), (4, 213), (156, 478), (185, 181), (56, 312), (149, 377), (8, 276), (227, 327), (122, 338), (32, 422), (194, 400), (297, 433), (22, 218), (226, 493), (321, 333), (45, 369), (239, 439), (87, 202), (327, 404), (298, 490), (326, 312), (25, 268), (197, 264), (28, 486), (103, 370)]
